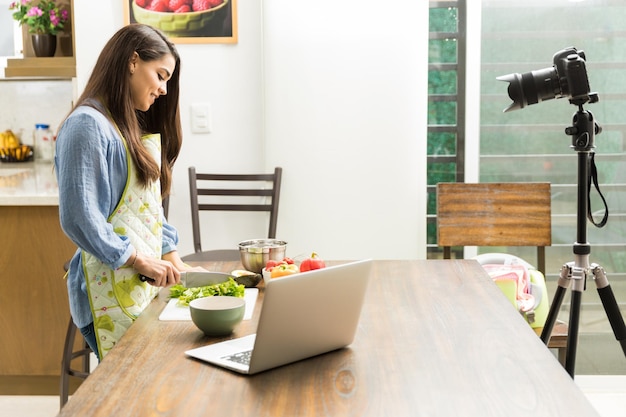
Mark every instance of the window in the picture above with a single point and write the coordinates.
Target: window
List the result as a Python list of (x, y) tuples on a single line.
[(530, 144), (446, 104)]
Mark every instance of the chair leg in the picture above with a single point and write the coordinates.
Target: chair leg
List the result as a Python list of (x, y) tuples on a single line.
[(562, 354), (66, 363), (86, 366)]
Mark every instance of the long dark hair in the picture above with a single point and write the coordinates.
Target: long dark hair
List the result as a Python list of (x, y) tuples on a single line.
[(109, 84)]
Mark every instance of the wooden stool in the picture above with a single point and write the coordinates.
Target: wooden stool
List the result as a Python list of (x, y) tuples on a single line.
[(69, 355), (558, 339)]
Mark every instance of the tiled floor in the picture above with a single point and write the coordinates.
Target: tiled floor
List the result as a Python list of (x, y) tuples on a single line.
[(607, 393), (29, 406)]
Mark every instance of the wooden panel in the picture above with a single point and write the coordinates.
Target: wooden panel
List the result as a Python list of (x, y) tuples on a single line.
[(41, 67), (494, 214), (34, 308)]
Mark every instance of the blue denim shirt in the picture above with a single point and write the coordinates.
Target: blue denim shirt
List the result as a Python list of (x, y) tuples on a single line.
[(91, 169)]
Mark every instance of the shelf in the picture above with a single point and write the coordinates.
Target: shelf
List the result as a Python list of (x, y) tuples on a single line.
[(64, 67)]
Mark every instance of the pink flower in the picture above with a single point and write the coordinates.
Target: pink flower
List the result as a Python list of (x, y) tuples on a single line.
[(43, 16), (54, 19), (35, 11)]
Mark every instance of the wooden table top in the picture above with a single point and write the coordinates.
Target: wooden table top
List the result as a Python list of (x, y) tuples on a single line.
[(436, 338)]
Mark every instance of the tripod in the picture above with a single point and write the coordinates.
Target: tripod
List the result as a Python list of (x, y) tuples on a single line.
[(583, 131)]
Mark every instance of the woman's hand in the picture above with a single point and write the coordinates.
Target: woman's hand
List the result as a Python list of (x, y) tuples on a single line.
[(162, 272)]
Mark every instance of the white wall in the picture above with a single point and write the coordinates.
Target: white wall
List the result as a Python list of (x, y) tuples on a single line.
[(336, 97), (345, 103)]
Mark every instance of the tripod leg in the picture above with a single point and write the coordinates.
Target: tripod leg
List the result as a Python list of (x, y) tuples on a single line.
[(552, 314), (563, 284), (572, 336), (579, 276), (610, 306)]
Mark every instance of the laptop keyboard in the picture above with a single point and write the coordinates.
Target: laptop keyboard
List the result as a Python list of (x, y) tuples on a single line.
[(240, 357)]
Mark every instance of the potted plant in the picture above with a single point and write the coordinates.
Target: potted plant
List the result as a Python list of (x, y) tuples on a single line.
[(45, 19)]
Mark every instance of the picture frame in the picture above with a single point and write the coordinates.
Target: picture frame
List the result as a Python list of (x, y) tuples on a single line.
[(216, 25)]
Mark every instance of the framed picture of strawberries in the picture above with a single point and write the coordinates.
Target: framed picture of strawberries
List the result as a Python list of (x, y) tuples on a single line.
[(187, 21)]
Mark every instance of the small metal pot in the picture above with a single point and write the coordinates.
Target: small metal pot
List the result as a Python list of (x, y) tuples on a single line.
[(256, 252)]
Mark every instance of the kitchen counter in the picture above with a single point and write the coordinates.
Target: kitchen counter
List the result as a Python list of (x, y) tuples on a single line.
[(34, 308), (28, 184)]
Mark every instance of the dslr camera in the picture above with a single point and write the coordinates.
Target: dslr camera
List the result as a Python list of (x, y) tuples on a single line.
[(566, 78)]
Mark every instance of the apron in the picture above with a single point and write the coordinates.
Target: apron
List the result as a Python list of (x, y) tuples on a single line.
[(118, 296)]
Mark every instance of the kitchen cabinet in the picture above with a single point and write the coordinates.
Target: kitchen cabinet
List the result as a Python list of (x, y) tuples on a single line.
[(34, 308)]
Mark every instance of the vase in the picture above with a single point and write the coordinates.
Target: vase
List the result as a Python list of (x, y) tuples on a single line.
[(44, 45)]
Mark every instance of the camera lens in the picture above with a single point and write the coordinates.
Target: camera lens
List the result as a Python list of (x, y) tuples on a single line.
[(531, 87)]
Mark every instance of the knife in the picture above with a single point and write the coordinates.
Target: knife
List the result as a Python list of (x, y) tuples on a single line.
[(192, 279)]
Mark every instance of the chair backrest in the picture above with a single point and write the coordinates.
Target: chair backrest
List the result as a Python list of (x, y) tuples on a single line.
[(229, 187), (494, 214)]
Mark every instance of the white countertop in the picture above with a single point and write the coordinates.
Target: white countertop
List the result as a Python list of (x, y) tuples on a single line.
[(28, 184)]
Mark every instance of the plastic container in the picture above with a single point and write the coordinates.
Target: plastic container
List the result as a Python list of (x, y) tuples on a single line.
[(43, 143)]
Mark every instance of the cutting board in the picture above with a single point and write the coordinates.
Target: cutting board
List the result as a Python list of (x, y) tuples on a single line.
[(175, 312)]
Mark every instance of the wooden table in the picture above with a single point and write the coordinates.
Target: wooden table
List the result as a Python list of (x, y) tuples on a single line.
[(436, 338)]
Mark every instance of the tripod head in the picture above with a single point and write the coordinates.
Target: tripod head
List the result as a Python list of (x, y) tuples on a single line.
[(583, 129)]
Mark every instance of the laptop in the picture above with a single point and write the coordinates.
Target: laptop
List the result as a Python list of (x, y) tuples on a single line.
[(303, 315)]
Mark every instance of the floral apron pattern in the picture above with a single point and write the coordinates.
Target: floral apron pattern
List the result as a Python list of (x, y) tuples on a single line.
[(118, 296)]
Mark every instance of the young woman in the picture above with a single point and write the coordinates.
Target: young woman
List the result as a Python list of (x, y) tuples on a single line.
[(114, 159)]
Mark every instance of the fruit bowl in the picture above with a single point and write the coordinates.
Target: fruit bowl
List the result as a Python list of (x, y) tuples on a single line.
[(22, 153), (177, 24)]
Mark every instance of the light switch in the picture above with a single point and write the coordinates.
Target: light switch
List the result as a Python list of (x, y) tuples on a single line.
[(201, 118)]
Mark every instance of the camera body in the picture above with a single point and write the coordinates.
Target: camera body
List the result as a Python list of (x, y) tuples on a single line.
[(566, 78)]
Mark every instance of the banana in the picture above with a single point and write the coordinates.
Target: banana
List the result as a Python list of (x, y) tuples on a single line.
[(14, 142), (9, 140)]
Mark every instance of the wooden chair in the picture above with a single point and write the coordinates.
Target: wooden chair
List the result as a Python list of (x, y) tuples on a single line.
[(232, 192), (498, 215), (494, 214), (69, 354)]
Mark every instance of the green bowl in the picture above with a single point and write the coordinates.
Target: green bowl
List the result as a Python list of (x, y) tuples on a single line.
[(176, 24), (217, 315)]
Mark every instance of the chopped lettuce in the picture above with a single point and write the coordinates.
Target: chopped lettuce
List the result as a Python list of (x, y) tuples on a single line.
[(185, 295)]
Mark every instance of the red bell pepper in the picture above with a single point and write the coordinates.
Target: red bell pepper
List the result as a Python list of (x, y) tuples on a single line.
[(312, 263)]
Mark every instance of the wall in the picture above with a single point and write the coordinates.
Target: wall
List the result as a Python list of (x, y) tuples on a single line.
[(7, 41), (337, 97), (346, 117), (31, 102)]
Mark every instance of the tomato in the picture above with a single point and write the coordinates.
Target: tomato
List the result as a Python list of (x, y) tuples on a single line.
[(271, 264), (312, 263), (284, 269)]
